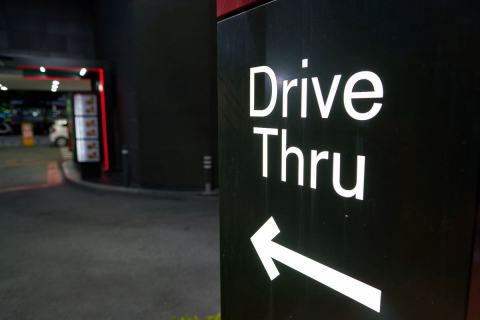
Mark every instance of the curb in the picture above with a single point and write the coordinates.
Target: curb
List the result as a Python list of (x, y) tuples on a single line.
[(72, 175)]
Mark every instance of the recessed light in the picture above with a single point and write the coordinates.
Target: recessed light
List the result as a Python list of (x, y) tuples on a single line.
[(83, 72), (42, 69)]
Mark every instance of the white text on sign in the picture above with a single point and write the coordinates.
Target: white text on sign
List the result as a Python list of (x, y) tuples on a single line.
[(325, 107)]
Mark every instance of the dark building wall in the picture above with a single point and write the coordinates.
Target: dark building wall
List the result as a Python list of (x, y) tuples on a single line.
[(54, 28), (163, 56), (115, 44), (176, 67)]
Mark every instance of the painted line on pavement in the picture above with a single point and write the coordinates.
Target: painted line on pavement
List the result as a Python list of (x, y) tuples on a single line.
[(21, 188)]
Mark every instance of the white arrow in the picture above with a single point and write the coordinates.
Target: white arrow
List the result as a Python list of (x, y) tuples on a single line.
[(268, 250)]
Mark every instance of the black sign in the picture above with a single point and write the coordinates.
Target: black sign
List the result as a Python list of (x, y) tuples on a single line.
[(348, 159)]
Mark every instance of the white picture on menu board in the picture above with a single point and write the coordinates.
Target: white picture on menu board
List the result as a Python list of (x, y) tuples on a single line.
[(86, 127), (88, 151), (85, 104)]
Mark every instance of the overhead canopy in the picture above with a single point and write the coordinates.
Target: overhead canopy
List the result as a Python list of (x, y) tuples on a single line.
[(17, 81)]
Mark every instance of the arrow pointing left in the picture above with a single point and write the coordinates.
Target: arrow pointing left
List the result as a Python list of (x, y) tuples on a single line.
[(268, 250)]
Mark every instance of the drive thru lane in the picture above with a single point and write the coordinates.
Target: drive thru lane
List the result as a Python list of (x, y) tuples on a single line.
[(68, 252)]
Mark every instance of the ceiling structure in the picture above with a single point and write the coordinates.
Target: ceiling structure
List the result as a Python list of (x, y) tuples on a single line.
[(17, 81)]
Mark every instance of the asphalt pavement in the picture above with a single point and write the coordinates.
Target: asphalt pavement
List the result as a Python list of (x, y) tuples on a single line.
[(69, 252), (24, 168)]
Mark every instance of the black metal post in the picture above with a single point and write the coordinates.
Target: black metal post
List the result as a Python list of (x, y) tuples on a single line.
[(126, 181), (207, 166)]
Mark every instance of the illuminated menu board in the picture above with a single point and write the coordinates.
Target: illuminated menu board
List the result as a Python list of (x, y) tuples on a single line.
[(86, 128)]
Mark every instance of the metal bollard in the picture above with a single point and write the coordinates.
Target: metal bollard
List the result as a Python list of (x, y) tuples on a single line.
[(126, 181), (207, 165)]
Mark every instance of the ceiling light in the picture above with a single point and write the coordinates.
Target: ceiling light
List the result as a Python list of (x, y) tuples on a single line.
[(4, 88), (55, 82), (83, 71), (54, 89), (42, 69)]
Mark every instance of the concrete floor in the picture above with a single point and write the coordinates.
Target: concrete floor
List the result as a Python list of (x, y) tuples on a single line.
[(72, 253)]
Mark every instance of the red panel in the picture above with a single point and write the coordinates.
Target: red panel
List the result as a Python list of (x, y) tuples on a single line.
[(104, 122), (229, 7)]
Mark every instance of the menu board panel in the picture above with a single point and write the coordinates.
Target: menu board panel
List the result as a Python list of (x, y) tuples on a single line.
[(86, 127), (88, 151), (85, 105)]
